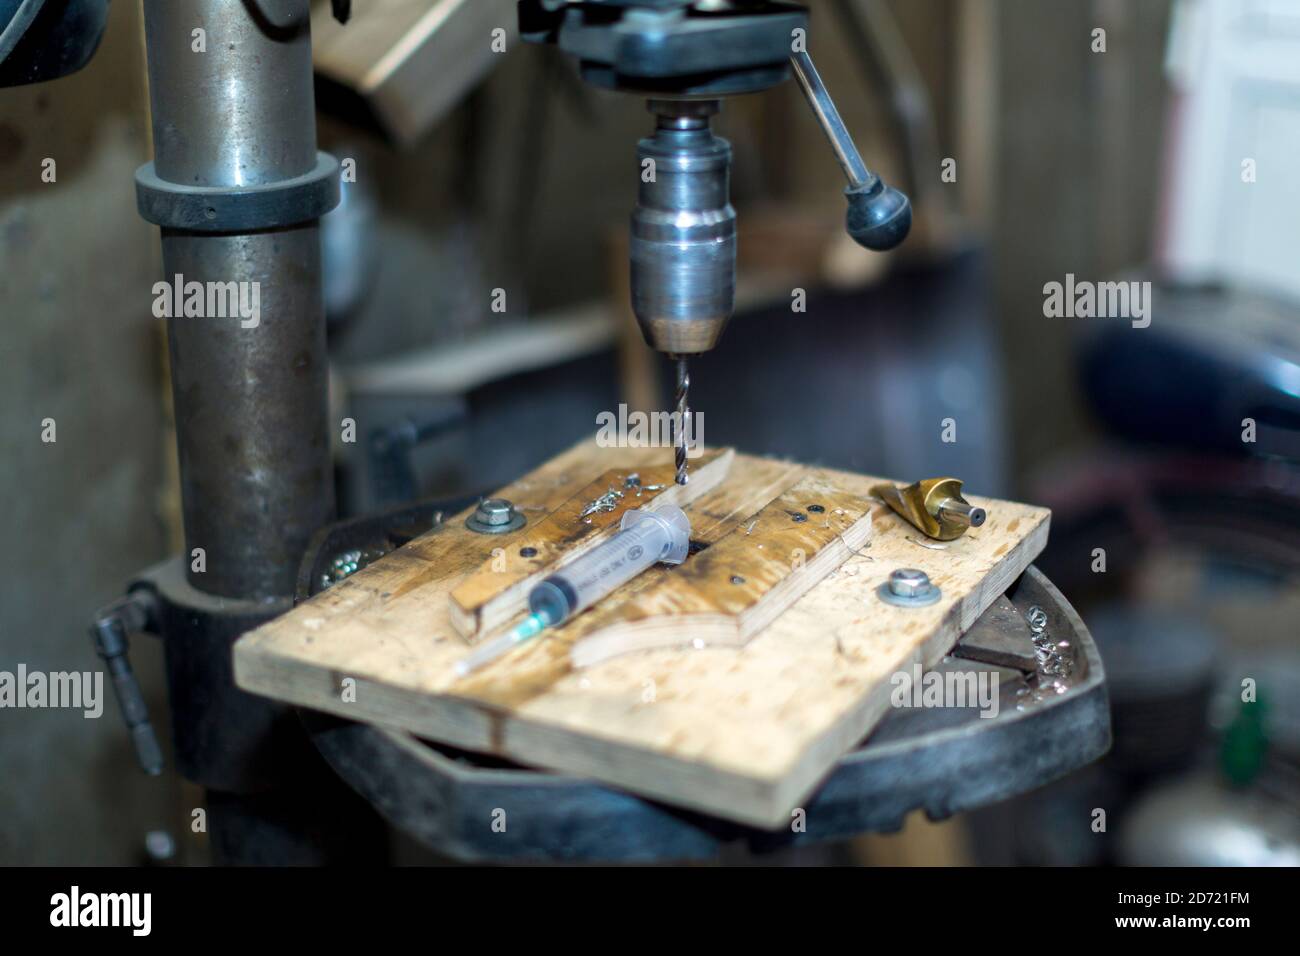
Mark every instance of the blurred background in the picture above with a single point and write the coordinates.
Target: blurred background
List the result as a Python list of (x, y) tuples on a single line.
[(1160, 149)]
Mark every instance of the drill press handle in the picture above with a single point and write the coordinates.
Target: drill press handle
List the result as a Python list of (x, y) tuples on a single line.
[(879, 216)]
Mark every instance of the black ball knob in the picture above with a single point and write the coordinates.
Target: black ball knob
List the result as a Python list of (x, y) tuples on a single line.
[(879, 216)]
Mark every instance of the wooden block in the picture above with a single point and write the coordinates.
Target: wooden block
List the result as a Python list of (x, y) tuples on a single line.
[(743, 734), (409, 62), (725, 595), (498, 590)]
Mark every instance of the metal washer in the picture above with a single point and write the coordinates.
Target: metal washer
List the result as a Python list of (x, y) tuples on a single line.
[(925, 599)]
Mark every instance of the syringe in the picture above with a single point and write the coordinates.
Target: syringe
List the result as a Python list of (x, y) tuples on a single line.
[(644, 537)]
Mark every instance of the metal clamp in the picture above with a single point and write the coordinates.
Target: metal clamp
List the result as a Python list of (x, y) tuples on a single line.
[(238, 208)]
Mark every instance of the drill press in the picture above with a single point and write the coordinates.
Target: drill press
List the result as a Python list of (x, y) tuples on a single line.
[(684, 57)]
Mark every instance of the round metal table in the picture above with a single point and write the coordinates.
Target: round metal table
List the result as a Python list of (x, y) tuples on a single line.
[(942, 761)]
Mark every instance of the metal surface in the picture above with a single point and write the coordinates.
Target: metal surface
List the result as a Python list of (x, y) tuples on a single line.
[(250, 403), (683, 236), (960, 513), (823, 107), (1000, 636), (673, 47), (240, 114), (42, 41), (943, 761)]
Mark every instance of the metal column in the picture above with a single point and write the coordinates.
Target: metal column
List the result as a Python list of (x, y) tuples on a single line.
[(250, 403), (238, 187)]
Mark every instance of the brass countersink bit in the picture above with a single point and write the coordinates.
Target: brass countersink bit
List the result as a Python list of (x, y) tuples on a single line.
[(934, 505)]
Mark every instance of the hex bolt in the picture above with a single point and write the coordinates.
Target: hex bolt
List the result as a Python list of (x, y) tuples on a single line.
[(909, 582), (495, 511), (908, 587), (494, 516)]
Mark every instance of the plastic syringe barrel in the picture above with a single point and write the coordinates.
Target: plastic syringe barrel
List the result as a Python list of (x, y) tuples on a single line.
[(644, 537)]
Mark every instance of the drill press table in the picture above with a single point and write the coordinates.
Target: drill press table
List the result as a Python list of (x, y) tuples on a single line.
[(782, 712), (939, 761)]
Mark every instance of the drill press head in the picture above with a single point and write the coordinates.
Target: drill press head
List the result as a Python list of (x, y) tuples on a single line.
[(683, 241), (685, 55)]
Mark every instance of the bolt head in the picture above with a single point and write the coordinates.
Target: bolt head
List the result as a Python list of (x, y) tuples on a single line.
[(909, 582), (495, 511)]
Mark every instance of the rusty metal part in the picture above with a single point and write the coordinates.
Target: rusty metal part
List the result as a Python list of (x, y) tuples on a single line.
[(933, 505), (251, 411)]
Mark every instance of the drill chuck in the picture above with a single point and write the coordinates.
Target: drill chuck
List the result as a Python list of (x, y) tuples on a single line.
[(683, 243)]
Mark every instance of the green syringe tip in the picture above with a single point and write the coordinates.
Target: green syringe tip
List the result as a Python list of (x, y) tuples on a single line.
[(530, 626)]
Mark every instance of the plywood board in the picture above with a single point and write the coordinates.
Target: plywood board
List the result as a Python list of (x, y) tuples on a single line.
[(740, 733), (498, 589), (729, 592)]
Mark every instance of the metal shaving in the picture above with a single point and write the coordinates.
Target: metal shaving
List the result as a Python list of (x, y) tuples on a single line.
[(927, 544), (1055, 663), (606, 502), (348, 563)]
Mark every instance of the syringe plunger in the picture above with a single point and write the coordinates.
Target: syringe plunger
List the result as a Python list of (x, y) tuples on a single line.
[(644, 538)]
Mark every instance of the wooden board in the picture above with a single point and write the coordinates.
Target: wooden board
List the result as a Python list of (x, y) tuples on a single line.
[(729, 592), (498, 590), (744, 734)]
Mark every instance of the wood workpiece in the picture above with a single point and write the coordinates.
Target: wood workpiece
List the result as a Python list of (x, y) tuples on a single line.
[(741, 732), (735, 588), (498, 590)]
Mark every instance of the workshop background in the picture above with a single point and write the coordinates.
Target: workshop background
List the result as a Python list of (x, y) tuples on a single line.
[(508, 173)]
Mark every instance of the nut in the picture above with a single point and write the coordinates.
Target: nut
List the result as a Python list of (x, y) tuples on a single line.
[(495, 511), (908, 587), (909, 582), (494, 516)]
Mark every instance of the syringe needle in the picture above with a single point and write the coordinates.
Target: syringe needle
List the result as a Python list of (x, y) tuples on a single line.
[(486, 653)]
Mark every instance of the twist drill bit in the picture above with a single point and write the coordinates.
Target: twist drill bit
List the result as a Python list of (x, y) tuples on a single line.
[(682, 419)]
